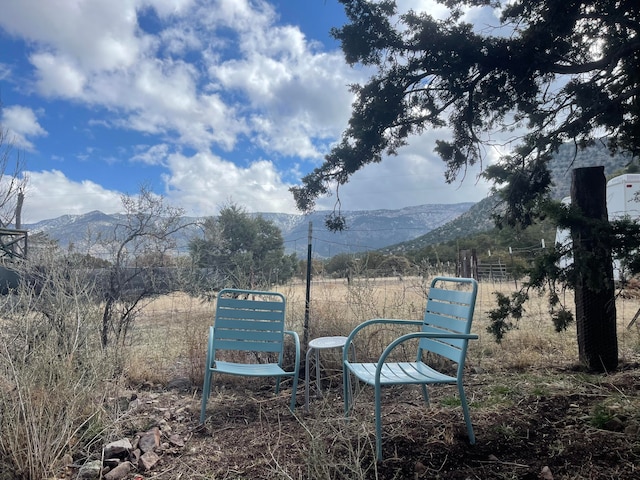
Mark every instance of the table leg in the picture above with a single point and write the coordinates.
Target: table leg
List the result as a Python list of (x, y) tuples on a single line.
[(318, 382), (306, 381)]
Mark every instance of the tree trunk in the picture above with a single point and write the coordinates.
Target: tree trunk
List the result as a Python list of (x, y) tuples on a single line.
[(594, 291)]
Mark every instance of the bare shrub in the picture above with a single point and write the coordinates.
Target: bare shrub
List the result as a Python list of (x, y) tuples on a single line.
[(52, 367), (339, 449), (138, 250)]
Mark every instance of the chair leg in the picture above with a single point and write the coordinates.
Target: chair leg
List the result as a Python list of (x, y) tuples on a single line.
[(206, 390), (378, 422), (277, 385), (346, 386), (425, 394), (465, 412), (294, 391), (318, 380)]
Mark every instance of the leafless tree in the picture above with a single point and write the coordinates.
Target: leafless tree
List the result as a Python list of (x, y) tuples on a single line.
[(137, 249)]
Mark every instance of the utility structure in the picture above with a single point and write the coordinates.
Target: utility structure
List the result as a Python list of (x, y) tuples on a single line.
[(13, 246)]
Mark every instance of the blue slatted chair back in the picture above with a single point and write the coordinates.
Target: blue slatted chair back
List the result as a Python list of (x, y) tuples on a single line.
[(449, 311), (444, 331), (249, 321)]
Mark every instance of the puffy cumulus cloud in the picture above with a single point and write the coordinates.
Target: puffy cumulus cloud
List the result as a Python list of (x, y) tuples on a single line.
[(162, 97), (179, 40), (21, 123), (299, 97), (51, 194), (206, 73), (287, 138), (203, 183), (298, 117), (154, 155), (238, 15), (98, 34), (166, 8), (95, 52), (58, 76)]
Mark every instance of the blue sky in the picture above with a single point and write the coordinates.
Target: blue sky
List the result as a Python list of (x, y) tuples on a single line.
[(204, 101)]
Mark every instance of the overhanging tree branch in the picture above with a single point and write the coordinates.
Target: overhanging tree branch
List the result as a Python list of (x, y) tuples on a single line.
[(566, 70)]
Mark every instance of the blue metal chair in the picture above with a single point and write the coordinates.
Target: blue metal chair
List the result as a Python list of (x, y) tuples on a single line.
[(247, 323), (444, 331)]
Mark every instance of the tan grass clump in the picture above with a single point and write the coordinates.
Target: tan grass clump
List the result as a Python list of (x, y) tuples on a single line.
[(53, 375)]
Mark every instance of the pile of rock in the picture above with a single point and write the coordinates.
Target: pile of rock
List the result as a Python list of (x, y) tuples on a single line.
[(163, 422), (124, 456)]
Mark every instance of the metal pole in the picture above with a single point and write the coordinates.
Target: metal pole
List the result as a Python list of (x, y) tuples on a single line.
[(305, 338), (513, 265)]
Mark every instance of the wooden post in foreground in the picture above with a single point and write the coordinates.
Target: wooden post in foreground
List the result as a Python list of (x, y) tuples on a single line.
[(594, 290)]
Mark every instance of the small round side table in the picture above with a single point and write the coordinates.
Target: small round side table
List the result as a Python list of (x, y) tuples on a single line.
[(315, 345)]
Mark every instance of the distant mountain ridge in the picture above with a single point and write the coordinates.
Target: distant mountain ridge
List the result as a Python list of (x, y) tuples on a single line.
[(391, 231), (368, 230)]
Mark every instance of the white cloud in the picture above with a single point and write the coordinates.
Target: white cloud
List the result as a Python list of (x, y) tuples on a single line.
[(154, 155), (300, 97), (204, 182), (414, 177), (58, 76), (482, 15), (51, 194), (98, 34), (166, 8), (21, 123), (94, 52), (432, 7), (238, 15), (180, 39), (204, 77)]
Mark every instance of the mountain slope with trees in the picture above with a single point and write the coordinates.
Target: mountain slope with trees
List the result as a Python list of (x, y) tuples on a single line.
[(478, 219)]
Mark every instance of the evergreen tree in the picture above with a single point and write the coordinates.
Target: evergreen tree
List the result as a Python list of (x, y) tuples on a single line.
[(557, 71), (246, 251)]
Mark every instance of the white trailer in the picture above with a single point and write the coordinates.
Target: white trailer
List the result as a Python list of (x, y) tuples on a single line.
[(623, 197), (623, 200)]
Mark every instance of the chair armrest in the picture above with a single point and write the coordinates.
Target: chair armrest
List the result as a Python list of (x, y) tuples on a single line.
[(210, 348), (368, 323), (410, 336), (296, 341)]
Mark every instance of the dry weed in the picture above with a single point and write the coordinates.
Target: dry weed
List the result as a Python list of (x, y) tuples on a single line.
[(170, 339), (524, 394), (523, 387)]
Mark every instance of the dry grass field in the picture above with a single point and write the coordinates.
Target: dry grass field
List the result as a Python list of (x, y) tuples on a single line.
[(535, 412)]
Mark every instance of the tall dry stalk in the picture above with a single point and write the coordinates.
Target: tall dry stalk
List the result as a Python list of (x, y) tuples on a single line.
[(52, 369)]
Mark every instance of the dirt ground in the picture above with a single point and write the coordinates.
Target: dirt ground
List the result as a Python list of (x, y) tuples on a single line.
[(551, 424), (535, 415)]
